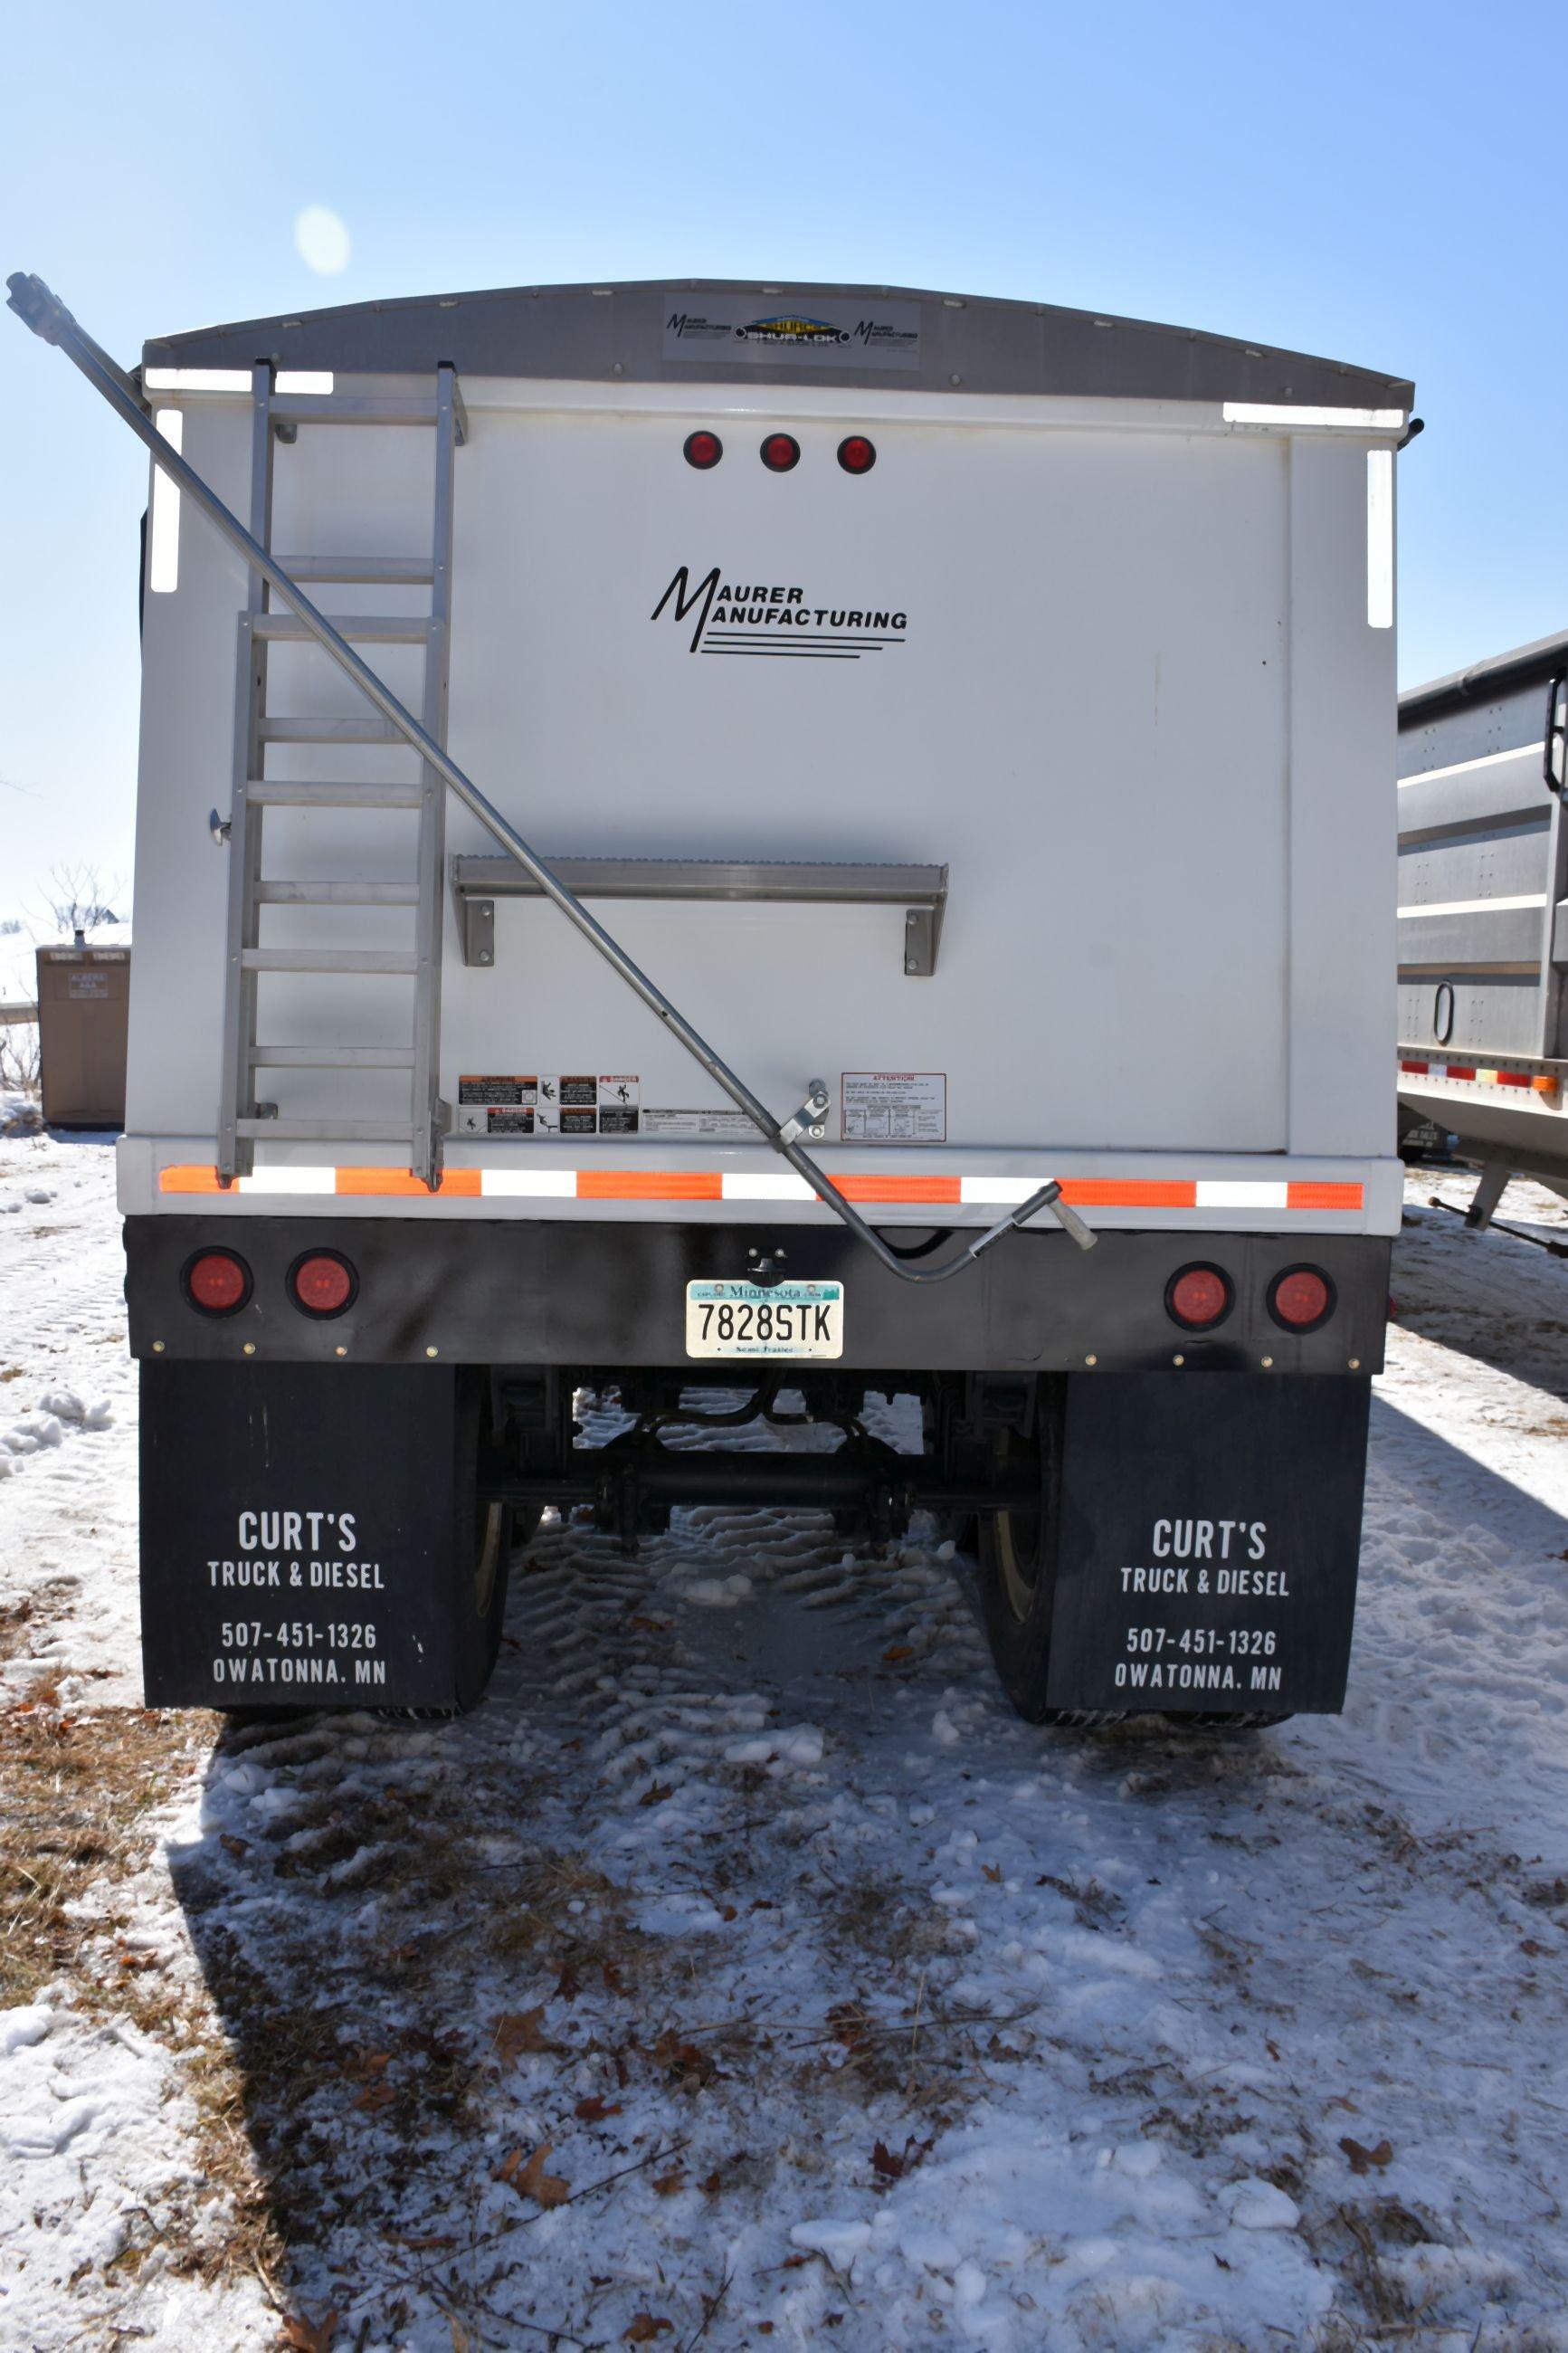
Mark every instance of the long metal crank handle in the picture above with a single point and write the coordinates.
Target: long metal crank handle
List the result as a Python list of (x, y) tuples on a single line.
[(42, 311)]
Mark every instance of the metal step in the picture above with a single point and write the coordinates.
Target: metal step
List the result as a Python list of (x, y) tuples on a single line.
[(338, 894), (333, 792), (400, 961), (378, 571), (326, 1131), (363, 408), (326, 731), (368, 628), (328, 1057)]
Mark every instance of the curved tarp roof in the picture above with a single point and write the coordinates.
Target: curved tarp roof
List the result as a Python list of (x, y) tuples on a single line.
[(729, 330), (1484, 682)]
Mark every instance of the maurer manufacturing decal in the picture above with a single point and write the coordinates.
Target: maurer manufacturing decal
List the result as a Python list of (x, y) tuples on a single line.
[(744, 619), (743, 329)]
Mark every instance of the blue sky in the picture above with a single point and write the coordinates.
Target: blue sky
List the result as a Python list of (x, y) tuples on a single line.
[(1383, 186)]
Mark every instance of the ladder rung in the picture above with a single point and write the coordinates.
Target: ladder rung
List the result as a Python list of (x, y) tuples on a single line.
[(327, 731), (371, 629), (336, 1131), (332, 1058), (339, 894), (295, 792), (383, 960), (382, 571)]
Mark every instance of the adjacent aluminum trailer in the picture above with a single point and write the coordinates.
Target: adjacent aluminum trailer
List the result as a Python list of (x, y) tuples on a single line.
[(954, 734), (1483, 915)]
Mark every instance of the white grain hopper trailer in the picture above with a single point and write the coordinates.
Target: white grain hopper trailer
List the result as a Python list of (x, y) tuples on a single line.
[(1483, 915), (714, 837)]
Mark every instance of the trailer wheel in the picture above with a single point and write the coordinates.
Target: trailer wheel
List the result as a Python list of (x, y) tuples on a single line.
[(1018, 1594)]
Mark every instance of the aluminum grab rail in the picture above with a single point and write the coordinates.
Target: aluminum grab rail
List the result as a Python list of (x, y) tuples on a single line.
[(47, 317)]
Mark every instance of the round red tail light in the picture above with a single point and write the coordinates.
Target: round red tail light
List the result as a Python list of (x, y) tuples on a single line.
[(1199, 1297), (215, 1281), (322, 1282), (1300, 1299), (856, 455), (702, 451), (779, 452)]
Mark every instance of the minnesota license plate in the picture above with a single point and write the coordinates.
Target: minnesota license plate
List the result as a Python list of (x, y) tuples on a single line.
[(754, 1319)]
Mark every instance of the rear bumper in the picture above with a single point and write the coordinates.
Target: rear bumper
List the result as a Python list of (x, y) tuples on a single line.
[(595, 1296)]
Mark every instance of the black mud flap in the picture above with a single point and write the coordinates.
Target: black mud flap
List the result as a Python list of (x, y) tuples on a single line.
[(296, 1532), (1209, 1531)]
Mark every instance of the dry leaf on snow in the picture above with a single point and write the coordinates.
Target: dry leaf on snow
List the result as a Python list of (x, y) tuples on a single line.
[(519, 2030), (1363, 2159), (302, 2335), (893, 2168), (594, 2110), (530, 2180), (644, 2327)]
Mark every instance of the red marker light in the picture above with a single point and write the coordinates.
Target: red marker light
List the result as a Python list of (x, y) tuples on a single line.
[(217, 1282), (779, 452), (856, 455), (703, 450), (1198, 1298), (1300, 1299), (322, 1282)]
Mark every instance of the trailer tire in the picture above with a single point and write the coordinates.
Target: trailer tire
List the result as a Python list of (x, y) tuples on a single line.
[(1018, 1591)]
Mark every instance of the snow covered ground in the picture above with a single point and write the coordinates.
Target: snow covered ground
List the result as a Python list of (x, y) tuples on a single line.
[(743, 1972)]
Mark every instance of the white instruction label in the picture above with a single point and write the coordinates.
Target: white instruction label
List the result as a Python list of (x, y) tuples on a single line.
[(893, 1107), (721, 1126)]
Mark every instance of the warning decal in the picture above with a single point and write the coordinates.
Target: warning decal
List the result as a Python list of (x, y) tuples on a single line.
[(547, 1103), (720, 1125), (893, 1107)]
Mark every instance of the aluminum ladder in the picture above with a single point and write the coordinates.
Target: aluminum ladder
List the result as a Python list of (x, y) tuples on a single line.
[(242, 1118)]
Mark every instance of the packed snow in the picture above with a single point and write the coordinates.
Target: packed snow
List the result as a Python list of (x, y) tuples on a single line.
[(743, 1971)]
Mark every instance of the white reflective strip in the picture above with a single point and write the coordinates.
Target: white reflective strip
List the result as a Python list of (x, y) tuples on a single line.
[(1005, 1192), (1380, 538), (1487, 760), (288, 1180), (1361, 420), (538, 1184), (163, 533), (1241, 1193), (1473, 906), (766, 1188), (292, 380)]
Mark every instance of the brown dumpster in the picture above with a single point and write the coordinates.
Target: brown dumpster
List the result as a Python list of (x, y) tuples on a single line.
[(83, 993)]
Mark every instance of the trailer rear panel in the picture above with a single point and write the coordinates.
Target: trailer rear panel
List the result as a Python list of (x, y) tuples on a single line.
[(973, 716)]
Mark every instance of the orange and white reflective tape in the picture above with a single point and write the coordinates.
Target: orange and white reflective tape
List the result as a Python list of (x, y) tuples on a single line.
[(1539, 1082), (726, 1185)]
